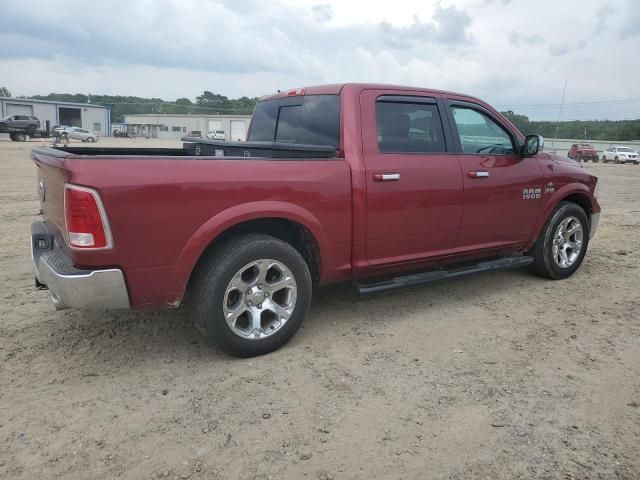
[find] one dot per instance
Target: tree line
(210, 103)
(613, 130)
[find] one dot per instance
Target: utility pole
(560, 112)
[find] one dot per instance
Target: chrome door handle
(386, 177)
(478, 174)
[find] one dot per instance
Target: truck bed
(203, 148)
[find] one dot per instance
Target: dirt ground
(497, 376)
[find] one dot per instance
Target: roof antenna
(560, 113)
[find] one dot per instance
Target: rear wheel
(250, 295)
(91, 140)
(19, 137)
(562, 245)
(595, 159)
(604, 159)
(616, 160)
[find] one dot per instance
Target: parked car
(583, 152)
(216, 135)
(57, 129)
(77, 133)
(195, 134)
(27, 123)
(370, 184)
(619, 154)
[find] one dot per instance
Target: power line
(620, 101)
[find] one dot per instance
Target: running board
(436, 275)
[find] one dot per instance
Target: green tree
(4, 92)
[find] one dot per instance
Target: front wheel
(562, 245)
(604, 159)
(250, 295)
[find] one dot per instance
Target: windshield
(306, 120)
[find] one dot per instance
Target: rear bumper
(71, 287)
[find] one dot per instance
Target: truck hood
(564, 160)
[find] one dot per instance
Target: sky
(515, 54)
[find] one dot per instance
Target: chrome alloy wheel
(567, 242)
(259, 299)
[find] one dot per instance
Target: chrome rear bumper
(71, 287)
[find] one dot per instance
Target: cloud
(448, 27)
(518, 38)
(323, 12)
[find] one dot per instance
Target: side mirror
(532, 145)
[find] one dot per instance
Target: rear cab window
(302, 120)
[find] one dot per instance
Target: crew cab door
(413, 182)
(503, 191)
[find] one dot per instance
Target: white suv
(620, 155)
(216, 135)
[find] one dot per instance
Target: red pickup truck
(377, 185)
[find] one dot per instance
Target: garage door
(238, 131)
(214, 125)
(19, 109)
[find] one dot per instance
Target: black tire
(91, 140)
(604, 159)
(19, 137)
(616, 160)
(207, 289)
(543, 262)
(595, 159)
(578, 157)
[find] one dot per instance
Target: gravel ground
(498, 376)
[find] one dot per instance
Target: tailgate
(52, 175)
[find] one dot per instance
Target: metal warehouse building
(95, 118)
(176, 126)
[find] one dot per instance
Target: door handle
(478, 174)
(386, 177)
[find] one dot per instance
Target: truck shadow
(169, 335)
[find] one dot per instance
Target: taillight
(87, 225)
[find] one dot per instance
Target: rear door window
(407, 127)
(303, 120)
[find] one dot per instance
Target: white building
(95, 118)
(175, 125)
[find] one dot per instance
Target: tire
(578, 157)
(595, 159)
(213, 288)
(19, 137)
(91, 140)
(604, 159)
(615, 160)
(3, 127)
(544, 263)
